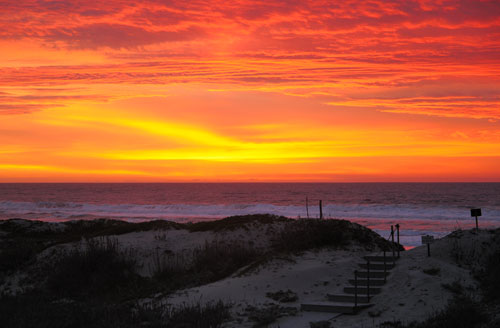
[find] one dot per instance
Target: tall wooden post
(307, 207)
(392, 237)
(320, 210)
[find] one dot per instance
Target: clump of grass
(455, 287)
(213, 261)
(432, 271)
(15, 254)
(42, 311)
(489, 279)
(306, 234)
(283, 296)
(320, 324)
(263, 316)
(167, 267)
(461, 312)
(210, 315)
(217, 260)
(235, 222)
(98, 267)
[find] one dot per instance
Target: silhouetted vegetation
(432, 271)
(168, 266)
(210, 315)
(15, 254)
(281, 296)
(235, 222)
(213, 261)
(95, 283)
(306, 234)
(217, 260)
(24, 239)
(265, 315)
(98, 267)
(43, 311)
(461, 312)
(489, 277)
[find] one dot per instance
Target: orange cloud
(283, 90)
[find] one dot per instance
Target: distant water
(420, 208)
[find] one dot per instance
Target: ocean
(419, 208)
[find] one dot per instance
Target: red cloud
(389, 47)
(118, 36)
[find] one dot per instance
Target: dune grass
(461, 312)
(97, 267)
(43, 311)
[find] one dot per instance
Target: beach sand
(415, 289)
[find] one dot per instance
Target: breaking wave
(68, 210)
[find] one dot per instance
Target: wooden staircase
(358, 294)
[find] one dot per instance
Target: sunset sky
(146, 91)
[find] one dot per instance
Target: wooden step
(363, 290)
(334, 307)
(364, 282)
(347, 298)
(377, 266)
(373, 274)
(381, 258)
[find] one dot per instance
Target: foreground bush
(490, 277)
(39, 311)
(96, 268)
(461, 312)
(217, 260)
(306, 234)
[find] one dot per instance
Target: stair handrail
(355, 288)
(368, 280)
(391, 236)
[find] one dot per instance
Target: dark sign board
(475, 212)
(427, 239)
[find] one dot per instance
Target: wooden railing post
(368, 280)
(392, 237)
(385, 269)
(355, 288)
(397, 230)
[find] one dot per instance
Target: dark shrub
(235, 222)
(41, 311)
(281, 296)
(217, 260)
(305, 234)
(96, 268)
(168, 267)
(490, 278)
(210, 315)
(461, 312)
(432, 271)
(15, 254)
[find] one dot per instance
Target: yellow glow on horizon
(239, 91)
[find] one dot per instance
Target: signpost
(427, 239)
(475, 212)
